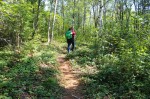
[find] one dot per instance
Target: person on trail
(73, 38)
(70, 34)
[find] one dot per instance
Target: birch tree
(52, 35)
(49, 22)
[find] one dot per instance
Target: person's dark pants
(70, 42)
(73, 44)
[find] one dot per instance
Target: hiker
(70, 34)
(73, 38)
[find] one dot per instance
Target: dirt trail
(69, 80)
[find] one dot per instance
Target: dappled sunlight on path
(69, 80)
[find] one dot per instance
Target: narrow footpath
(69, 80)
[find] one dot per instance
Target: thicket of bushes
(122, 62)
(30, 73)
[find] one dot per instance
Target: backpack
(68, 35)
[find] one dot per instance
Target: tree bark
(84, 16)
(52, 35)
(73, 17)
(49, 28)
(35, 23)
(63, 15)
(101, 17)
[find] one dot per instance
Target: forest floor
(69, 79)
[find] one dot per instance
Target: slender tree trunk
(94, 16)
(104, 14)
(73, 17)
(78, 17)
(84, 17)
(49, 28)
(136, 13)
(121, 17)
(52, 36)
(90, 18)
(35, 23)
(63, 14)
(128, 15)
(18, 40)
(101, 17)
(49, 23)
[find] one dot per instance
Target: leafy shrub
(121, 78)
(27, 76)
(83, 56)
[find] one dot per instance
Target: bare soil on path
(69, 80)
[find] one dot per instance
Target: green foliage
(33, 74)
(118, 48)
(16, 19)
(122, 62)
(83, 56)
(121, 80)
(88, 30)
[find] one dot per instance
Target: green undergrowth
(30, 73)
(83, 55)
(123, 75)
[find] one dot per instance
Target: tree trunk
(104, 14)
(52, 36)
(101, 17)
(78, 17)
(73, 17)
(35, 23)
(49, 28)
(63, 14)
(84, 17)
(94, 16)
